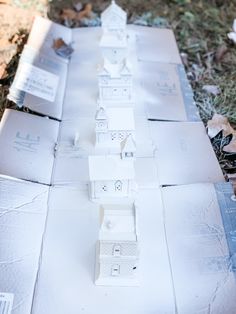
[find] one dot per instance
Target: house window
(118, 186)
(130, 154)
(116, 250)
(115, 270)
(104, 188)
(113, 136)
(121, 136)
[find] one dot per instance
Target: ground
(200, 28)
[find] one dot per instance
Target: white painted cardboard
(184, 154)
(114, 19)
(117, 254)
(71, 238)
(43, 34)
(41, 103)
(111, 178)
(113, 125)
(23, 210)
(155, 44)
(27, 146)
(163, 87)
(198, 250)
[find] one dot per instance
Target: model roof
(115, 70)
(114, 9)
(128, 144)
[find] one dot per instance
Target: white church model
(112, 177)
(114, 20)
(116, 84)
(117, 248)
(113, 125)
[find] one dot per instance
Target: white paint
(37, 82)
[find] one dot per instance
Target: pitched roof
(128, 144)
(115, 70)
(114, 9)
(110, 167)
(101, 114)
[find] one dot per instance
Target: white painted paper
(37, 82)
(27, 145)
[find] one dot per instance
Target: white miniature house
(113, 125)
(116, 83)
(111, 178)
(114, 19)
(117, 249)
(128, 147)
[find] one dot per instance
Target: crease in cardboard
(227, 205)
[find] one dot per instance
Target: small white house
(128, 147)
(113, 125)
(116, 83)
(117, 249)
(114, 19)
(111, 178)
(114, 49)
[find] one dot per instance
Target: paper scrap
(37, 82)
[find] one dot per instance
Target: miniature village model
(112, 199)
(112, 177)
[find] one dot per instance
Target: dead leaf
(69, 14)
(62, 49)
(3, 71)
(211, 89)
(58, 43)
(231, 147)
(218, 123)
(220, 53)
(86, 12)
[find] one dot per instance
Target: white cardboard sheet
(181, 231)
(155, 44)
(184, 154)
(43, 34)
(27, 146)
(203, 279)
(23, 210)
(66, 279)
(36, 96)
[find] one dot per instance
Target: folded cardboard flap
(27, 89)
(155, 44)
(184, 154)
(27, 146)
(197, 242)
(43, 34)
(23, 210)
(66, 284)
(227, 203)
